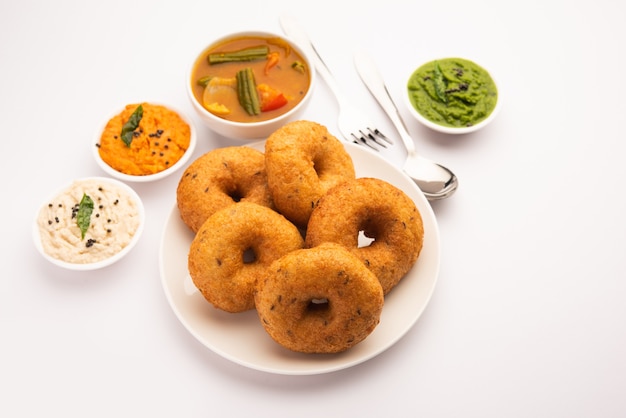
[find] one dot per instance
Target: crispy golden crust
(303, 160)
(319, 300)
(383, 212)
(220, 178)
(234, 247)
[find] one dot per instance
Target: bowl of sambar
(245, 85)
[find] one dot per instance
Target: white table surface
(528, 316)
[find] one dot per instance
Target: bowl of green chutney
(452, 95)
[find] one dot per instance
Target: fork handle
(294, 31)
(368, 71)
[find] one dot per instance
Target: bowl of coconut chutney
(89, 224)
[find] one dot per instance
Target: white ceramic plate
(241, 338)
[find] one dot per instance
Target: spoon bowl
(435, 181)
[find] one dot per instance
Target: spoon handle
(366, 67)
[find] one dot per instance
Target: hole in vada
(317, 165)
(364, 240)
(249, 256)
(236, 195)
(318, 305)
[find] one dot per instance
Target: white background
(528, 317)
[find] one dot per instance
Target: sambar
(250, 78)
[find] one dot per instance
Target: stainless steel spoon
(435, 180)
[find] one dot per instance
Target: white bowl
(249, 130)
(149, 177)
(123, 189)
(450, 129)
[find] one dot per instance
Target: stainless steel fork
(353, 126)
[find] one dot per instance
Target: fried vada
(219, 178)
(383, 213)
(319, 300)
(233, 248)
(303, 160)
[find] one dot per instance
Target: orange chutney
(159, 141)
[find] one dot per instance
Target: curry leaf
(440, 85)
(129, 127)
(83, 216)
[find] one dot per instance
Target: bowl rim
(107, 261)
(451, 129)
(251, 125)
(193, 140)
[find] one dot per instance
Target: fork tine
(381, 135)
(375, 134)
(362, 140)
(372, 138)
(369, 137)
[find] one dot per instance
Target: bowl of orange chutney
(144, 142)
(248, 84)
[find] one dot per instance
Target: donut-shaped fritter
(219, 178)
(303, 160)
(234, 247)
(319, 300)
(383, 213)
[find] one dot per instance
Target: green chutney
(452, 92)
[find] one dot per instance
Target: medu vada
(380, 211)
(319, 300)
(219, 178)
(303, 160)
(232, 249)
